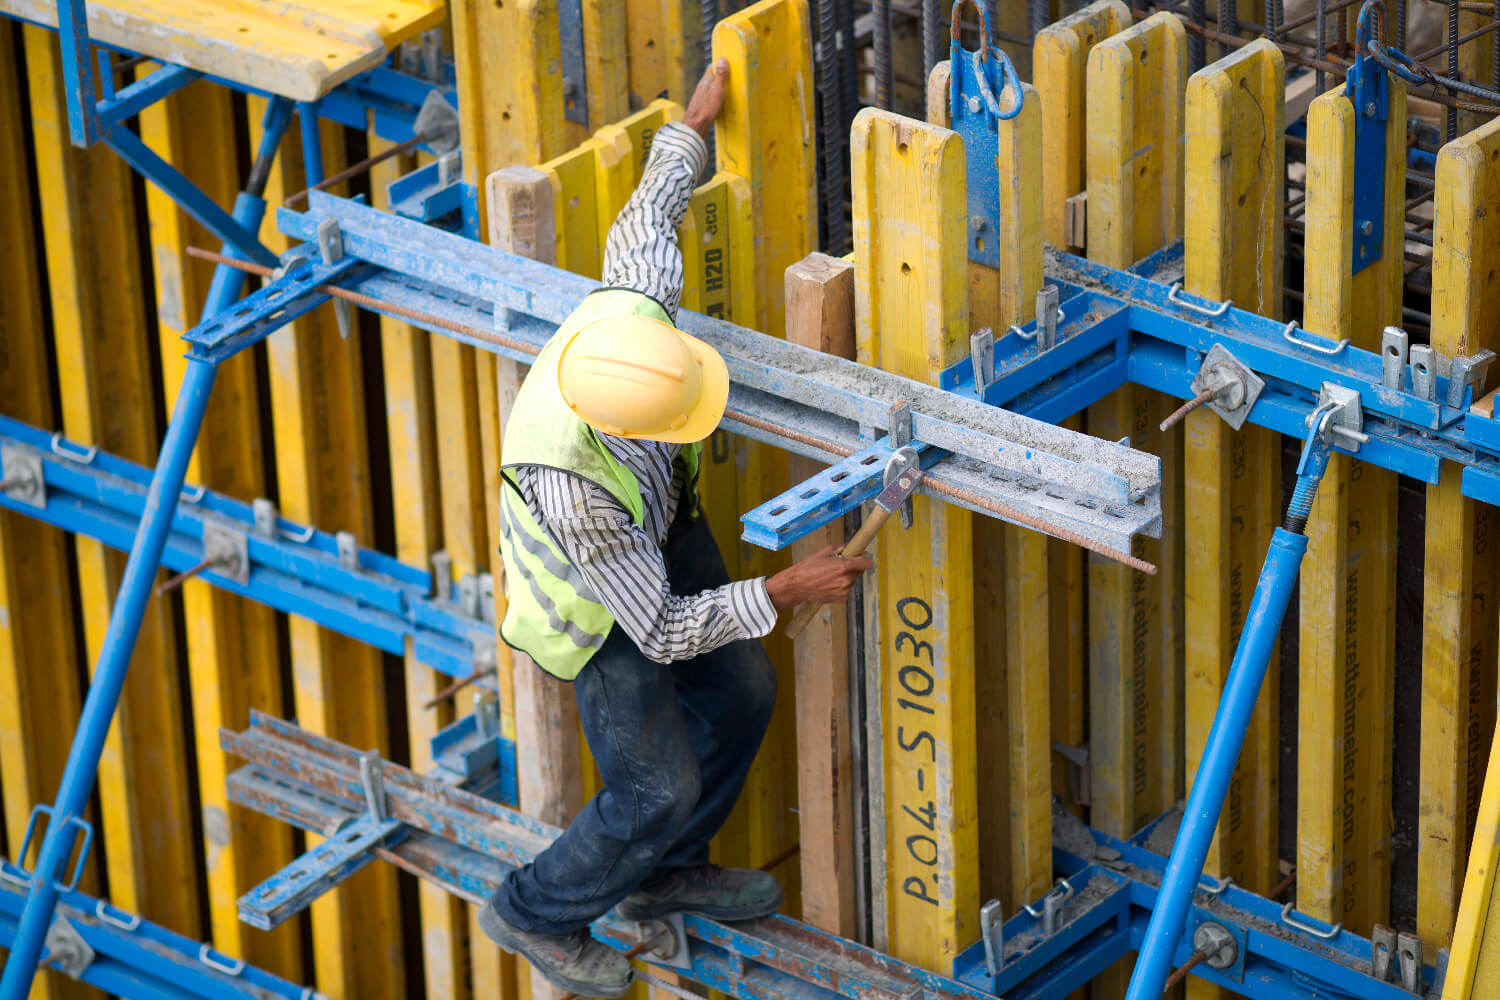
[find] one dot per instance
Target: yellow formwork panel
(106, 389)
(1474, 966)
(1013, 633)
(233, 659)
(1458, 609)
(912, 318)
(411, 428)
(296, 50)
(1059, 58)
(1347, 633)
(764, 135)
(661, 38)
(322, 471)
(1233, 249)
(606, 65)
(510, 96)
(1135, 83)
(36, 622)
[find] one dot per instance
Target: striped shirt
(620, 562)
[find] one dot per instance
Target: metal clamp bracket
(670, 941)
(21, 476)
(67, 951)
(992, 932)
(331, 246)
(900, 461)
(227, 551)
(1339, 418)
(77, 823)
(1368, 90)
(1235, 386)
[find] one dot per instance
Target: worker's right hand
(825, 578)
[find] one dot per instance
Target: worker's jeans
(673, 743)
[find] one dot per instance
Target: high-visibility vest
(552, 615)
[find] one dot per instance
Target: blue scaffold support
(1368, 88)
(1273, 592)
(77, 785)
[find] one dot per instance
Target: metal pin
(992, 930)
(1409, 951)
(1382, 948)
(169, 585)
(1394, 345)
(1423, 379)
(1176, 416)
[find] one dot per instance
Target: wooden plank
(820, 315)
(322, 469)
(912, 315)
(606, 65)
(1347, 638)
(509, 87)
(1135, 82)
(1474, 968)
(37, 625)
(1013, 627)
(764, 134)
(106, 389)
(663, 41)
(1233, 249)
(1459, 617)
(233, 655)
(1059, 59)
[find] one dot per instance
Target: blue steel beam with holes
(342, 853)
(464, 843)
(382, 601)
(138, 959)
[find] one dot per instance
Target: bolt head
(1370, 110)
(977, 222)
(1366, 228)
(974, 105)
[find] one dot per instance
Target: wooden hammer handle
(854, 547)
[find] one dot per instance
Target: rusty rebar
(355, 169)
(172, 583)
(457, 686)
(1181, 972)
(1176, 416)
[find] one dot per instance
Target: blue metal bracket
(984, 90)
(293, 889)
(575, 81)
(430, 192)
(1367, 87)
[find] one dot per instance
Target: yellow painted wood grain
(1233, 250)
(1474, 967)
(1135, 92)
(322, 469)
(912, 318)
(37, 625)
(1013, 626)
(1059, 59)
(233, 656)
(1461, 573)
(1347, 634)
(509, 86)
(98, 299)
(663, 42)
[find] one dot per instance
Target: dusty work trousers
(673, 743)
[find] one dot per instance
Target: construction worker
(615, 584)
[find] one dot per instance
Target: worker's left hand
(707, 99)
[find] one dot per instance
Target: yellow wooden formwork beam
(1347, 634)
(509, 86)
(233, 656)
(605, 65)
(1013, 627)
(1135, 83)
(1233, 249)
(411, 427)
(912, 318)
(38, 662)
(1474, 966)
(322, 469)
(1458, 610)
(106, 388)
(764, 134)
(663, 43)
(1059, 59)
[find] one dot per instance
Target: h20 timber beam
(233, 656)
(1474, 967)
(1013, 622)
(1059, 63)
(664, 49)
(36, 621)
(1135, 88)
(1459, 607)
(764, 134)
(912, 318)
(105, 378)
(322, 470)
(1233, 250)
(406, 353)
(1135, 81)
(1347, 641)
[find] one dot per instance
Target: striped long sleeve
(621, 562)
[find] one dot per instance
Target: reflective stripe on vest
(552, 614)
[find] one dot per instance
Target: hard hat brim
(712, 398)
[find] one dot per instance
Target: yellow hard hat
(637, 377)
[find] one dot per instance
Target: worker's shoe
(707, 890)
(573, 962)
